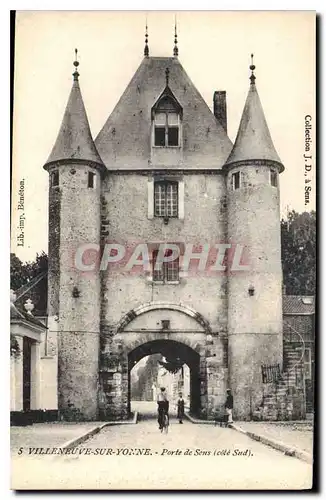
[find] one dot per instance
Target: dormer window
(166, 129)
(166, 116)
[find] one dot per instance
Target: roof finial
(146, 49)
(167, 74)
(252, 67)
(76, 64)
(175, 50)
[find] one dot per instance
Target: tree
(172, 365)
(146, 376)
(21, 273)
(298, 239)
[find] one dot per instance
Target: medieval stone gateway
(163, 169)
(141, 333)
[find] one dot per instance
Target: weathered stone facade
(224, 325)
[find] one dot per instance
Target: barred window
(168, 272)
(166, 199)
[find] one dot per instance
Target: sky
(214, 49)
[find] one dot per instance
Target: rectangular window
(173, 136)
(273, 178)
(54, 179)
(159, 136)
(307, 363)
(166, 199)
(168, 271)
(166, 129)
(158, 274)
(236, 180)
(91, 180)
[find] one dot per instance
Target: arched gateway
(173, 330)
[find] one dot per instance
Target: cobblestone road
(139, 456)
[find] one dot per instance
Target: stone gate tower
(75, 170)
(254, 295)
(163, 169)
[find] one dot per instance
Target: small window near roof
(166, 124)
(236, 180)
(91, 180)
(54, 179)
(273, 178)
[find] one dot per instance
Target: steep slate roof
(253, 141)
(298, 304)
(74, 141)
(124, 141)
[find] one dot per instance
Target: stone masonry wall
(54, 250)
(79, 314)
(125, 220)
(255, 319)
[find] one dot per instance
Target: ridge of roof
(21, 291)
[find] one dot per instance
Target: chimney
(219, 101)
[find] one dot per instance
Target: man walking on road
(229, 406)
(181, 408)
(163, 406)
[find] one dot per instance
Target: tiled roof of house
(19, 314)
(298, 304)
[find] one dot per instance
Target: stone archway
(152, 306)
(169, 348)
(143, 330)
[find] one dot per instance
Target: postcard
(162, 326)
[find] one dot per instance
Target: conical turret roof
(74, 141)
(253, 141)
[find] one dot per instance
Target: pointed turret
(253, 141)
(74, 142)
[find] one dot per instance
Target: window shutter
(150, 198)
(181, 195)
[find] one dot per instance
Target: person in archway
(229, 406)
(163, 405)
(181, 409)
